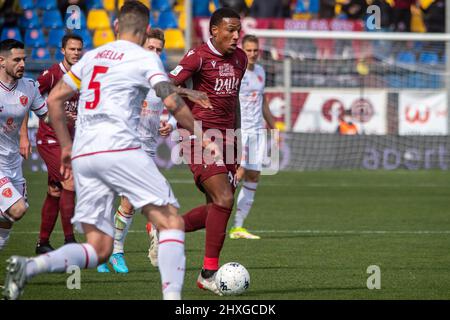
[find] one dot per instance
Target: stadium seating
(160, 5)
(58, 55)
(47, 4)
(406, 57)
(109, 5)
(52, 19)
(11, 33)
(201, 8)
(103, 36)
(54, 37)
(40, 54)
(29, 20)
(94, 4)
(182, 20)
(153, 23)
(35, 38)
(87, 38)
(429, 58)
(174, 39)
(27, 4)
(167, 20)
(97, 19)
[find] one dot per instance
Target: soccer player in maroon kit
(60, 194)
(217, 68)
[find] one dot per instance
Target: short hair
(156, 33)
(133, 17)
(68, 37)
(7, 45)
(250, 38)
(220, 14)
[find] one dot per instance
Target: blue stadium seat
(94, 4)
(406, 57)
(161, 5)
(300, 7)
(429, 58)
(164, 58)
(87, 38)
(58, 55)
(152, 21)
(40, 54)
(395, 81)
(52, 19)
(47, 4)
(11, 33)
(201, 8)
(73, 15)
(167, 20)
(35, 38)
(54, 37)
(29, 20)
(27, 4)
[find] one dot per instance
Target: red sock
(216, 225)
(67, 208)
(196, 218)
(49, 214)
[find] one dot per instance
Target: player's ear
(214, 31)
(116, 26)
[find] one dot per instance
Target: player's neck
(214, 43)
(66, 65)
(7, 79)
(251, 67)
(137, 39)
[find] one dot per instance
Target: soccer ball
(232, 279)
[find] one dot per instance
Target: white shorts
(253, 150)
(100, 177)
(12, 187)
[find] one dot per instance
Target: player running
(254, 107)
(60, 193)
(18, 96)
(149, 128)
(107, 158)
(216, 68)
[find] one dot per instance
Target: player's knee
(54, 191)
(171, 222)
(252, 176)
(225, 200)
(103, 253)
(18, 210)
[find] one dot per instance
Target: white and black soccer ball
(232, 279)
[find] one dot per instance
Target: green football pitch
(320, 233)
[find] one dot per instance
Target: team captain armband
(72, 80)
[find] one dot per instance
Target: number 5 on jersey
(95, 85)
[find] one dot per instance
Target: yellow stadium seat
(109, 5)
(182, 20)
(146, 2)
(179, 7)
(174, 39)
(120, 4)
(98, 19)
(103, 36)
(249, 3)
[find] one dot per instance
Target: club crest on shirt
(9, 121)
(7, 193)
(23, 100)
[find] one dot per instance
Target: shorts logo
(144, 104)
(23, 100)
(7, 193)
(9, 121)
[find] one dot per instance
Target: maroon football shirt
(219, 76)
(47, 80)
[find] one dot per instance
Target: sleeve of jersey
(39, 105)
(172, 121)
(190, 64)
(155, 71)
(44, 81)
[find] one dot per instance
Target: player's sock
(122, 223)
(244, 202)
(171, 262)
(73, 254)
(4, 236)
(216, 225)
(67, 208)
(196, 218)
(49, 214)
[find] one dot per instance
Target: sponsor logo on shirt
(226, 70)
(23, 100)
(7, 193)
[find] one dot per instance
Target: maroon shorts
(51, 154)
(203, 170)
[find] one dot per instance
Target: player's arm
(237, 118)
(195, 96)
(24, 141)
(60, 93)
(267, 114)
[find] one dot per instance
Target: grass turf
(320, 232)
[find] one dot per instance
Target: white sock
(244, 202)
(171, 262)
(4, 236)
(82, 255)
(122, 223)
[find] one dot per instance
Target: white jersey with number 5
(113, 81)
(251, 98)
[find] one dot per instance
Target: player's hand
(165, 128)
(239, 173)
(199, 98)
(71, 116)
(25, 147)
(66, 162)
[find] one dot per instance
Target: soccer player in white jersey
(107, 158)
(150, 127)
(254, 107)
(18, 96)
